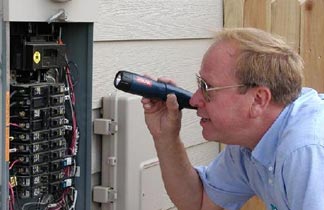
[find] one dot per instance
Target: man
(250, 97)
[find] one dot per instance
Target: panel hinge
(105, 126)
(104, 194)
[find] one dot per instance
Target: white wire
(32, 203)
(74, 199)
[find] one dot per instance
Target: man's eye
(207, 85)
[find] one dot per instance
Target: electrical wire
(74, 199)
(13, 93)
(14, 125)
(13, 163)
(39, 203)
(70, 85)
(74, 68)
(12, 196)
(17, 198)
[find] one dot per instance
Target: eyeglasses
(204, 87)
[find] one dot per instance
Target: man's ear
(261, 100)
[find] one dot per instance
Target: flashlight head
(117, 79)
(123, 80)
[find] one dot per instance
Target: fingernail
(147, 106)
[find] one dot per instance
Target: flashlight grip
(148, 88)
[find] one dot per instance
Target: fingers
(151, 105)
(146, 103)
(172, 102)
(173, 107)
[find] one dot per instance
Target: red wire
(74, 132)
(74, 125)
(13, 163)
(12, 196)
(71, 85)
(15, 125)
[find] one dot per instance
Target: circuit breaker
(46, 85)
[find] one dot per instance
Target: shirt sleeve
(225, 180)
(303, 173)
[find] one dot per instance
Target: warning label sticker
(37, 57)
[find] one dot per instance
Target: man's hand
(163, 119)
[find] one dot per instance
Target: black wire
(74, 76)
(13, 103)
(39, 201)
(13, 93)
(17, 199)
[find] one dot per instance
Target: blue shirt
(285, 169)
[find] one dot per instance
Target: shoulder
(304, 123)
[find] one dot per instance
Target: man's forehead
(220, 59)
(229, 48)
(221, 53)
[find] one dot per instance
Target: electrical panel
(44, 132)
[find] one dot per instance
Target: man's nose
(197, 99)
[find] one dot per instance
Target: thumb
(173, 107)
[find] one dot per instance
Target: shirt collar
(265, 151)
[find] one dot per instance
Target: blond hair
(266, 60)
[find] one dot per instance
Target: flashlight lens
(123, 80)
(118, 79)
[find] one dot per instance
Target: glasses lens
(203, 87)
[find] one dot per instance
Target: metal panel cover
(42, 10)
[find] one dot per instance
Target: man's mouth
(205, 119)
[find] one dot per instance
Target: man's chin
(210, 138)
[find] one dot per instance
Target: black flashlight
(148, 88)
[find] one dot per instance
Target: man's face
(225, 116)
